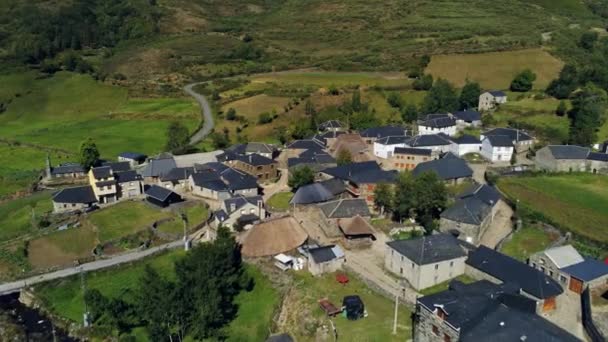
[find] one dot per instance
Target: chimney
(232, 207)
(250, 159)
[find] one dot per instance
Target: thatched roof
(355, 226)
(273, 237)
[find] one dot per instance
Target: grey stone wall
(423, 330)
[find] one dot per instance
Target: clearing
(20, 216)
(527, 241)
(62, 248)
(280, 201)
(195, 214)
(495, 70)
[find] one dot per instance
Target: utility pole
(396, 311)
(185, 221)
(83, 286)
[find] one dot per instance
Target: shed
(357, 231)
(161, 197)
(326, 259)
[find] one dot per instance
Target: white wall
(385, 151)
(424, 130)
(463, 149)
(495, 154)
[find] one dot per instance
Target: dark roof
(105, 183)
(252, 147)
(240, 201)
(127, 176)
(500, 141)
(598, 156)
(469, 210)
(237, 180)
(393, 140)
(381, 132)
(466, 139)
(255, 159)
(211, 166)
(445, 168)
(177, 174)
(468, 115)
(497, 93)
(362, 173)
(322, 254)
(413, 151)
(67, 168)
(159, 193)
(306, 144)
(102, 172)
(247, 218)
(375, 177)
(483, 192)
(334, 185)
(438, 122)
(133, 155)
(483, 311)
(568, 151)
(516, 135)
(118, 166)
(80, 194)
(280, 338)
(330, 124)
(587, 270)
(429, 140)
(310, 157)
(429, 249)
(220, 215)
(158, 167)
(345, 208)
(509, 270)
(312, 193)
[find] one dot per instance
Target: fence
(592, 331)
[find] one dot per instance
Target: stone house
(370, 135)
(317, 160)
(133, 158)
(522, 140)
(385, 147)
(497, 148)
(265, 150)
(104, 184)
(177, 179)
(425, 261)
(407, 158)
(482, 311)
(156, 168)
(330, 214)
(471, 214)
(467, 118)
(490, 99)
(130, 184)
(449, 168)
(356, 231)
(565, 265)
(240, 211)
(219, 182)
(65, 170)
(74, 199)
(570, 158)
(265, 169)
(326, 259)
(362, 178)
(437, 124)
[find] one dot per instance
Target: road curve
(208, 123)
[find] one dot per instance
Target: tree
(565, 84)
(264, 118)
(513, 158)
(344, 157)
(431, 195)
(301, 176)
(89, 154)
(355, 103)
(423, 83)
(383, 197)
(469, 96)
(523, 81)
(219, 141)
(394, 100)
(231, 114)
(178, 137)
(588, 40)
(409, 113)
(441, 98)
(405, 196)
(561, 108)
(588, 107)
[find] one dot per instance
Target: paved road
(16, 286)
(208, 123)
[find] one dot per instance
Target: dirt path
(500, 227)
(281, 185)
(208, 122)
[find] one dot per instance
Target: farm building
(569, 158)
(522, 140)
(326, 259)
(273, 237)
(490, 99)
(465, 144)
(161, 197)
(450, 168)
(73, 199)
(356, 231)
(133, 158)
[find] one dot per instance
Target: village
(321, 205)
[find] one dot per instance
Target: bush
(423, 83)
(523, 81)
(231, 114)
(264, 118)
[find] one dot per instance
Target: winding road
(208, 123)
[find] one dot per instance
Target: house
(370, 135)
(490, 99)
(158, 167)
(176, 179)
(522, 141)
(319, 192)
(133, 158)
(306, 144)
(161, 197)
(497, 148)
(273, 237)
(193, 159)
(256, 165)
(451, 169)
(426, 261)
(263, 149)
(467, 118)
(407, 158)
(362, 178)
(326, 259)
(437, 123)
(117, 166)
(331, 126)
(65, 170)
(438, 143)
(570, 269)
(354, 144)
(385, 147)
(471, 214)
(482, 311)
(569, 158)
(104, 184)
(74, 199)
(130, 184)
(488, 264)
(239, 211)
(317, 160)
(344, 208)
(356, 231)
(219, 182)
(466, 144)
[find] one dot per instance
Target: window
(451, 264)
(441, 314)
(400, 270)
(563, 279)
(402, 258)
(436, 266)
(533, 265)
(551, 274)
(259, 167)
(447, 338)
(435, 330)
(412, 265)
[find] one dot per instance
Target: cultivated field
(495, 70)
(338, 79)
(62, 248)
(576, 202)
(251, 107)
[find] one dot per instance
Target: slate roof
(189, 160)
(598, 156)
(438, 122)
(133, 156)
(470, 210)
(429, 140)
(105, 183)
(330, 124)
(252, 147)
(393, 140)
(564, 256)
(306, 144)
(483, 192)
(509, 270)
(345, 208)
(237, 180)
(325, 253)
(118, 166)
(158, 167)
(312, 193)
(79, 194)
(468, 115)
(483, 311)
(158, 192)
(587, 270)
(497, 93)
(445, 168)
(429, 249)
(335, 186)
(127, 176)
(240, 201)
(413, 151)
(466, 139)
(177, 174)
(102, 172)
(220, 215)
(310, 157)
(383, 131)
(255, 160)
(568, 151)
(499, 141)
(67, 168)
(346, 171)
(515, 135)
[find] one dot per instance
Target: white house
(437, 123)
(490, 99)
(497, 148)
(467, 118)
(385, 147)
(438, 143)
(466, 144)
(240, 210)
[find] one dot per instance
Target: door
(549, 304)
(576, 285)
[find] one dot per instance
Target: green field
(62, 248)
(280, 201)
(527, 241)
(445, 285)
(196, 214)
(576, 202)
(20, 216)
